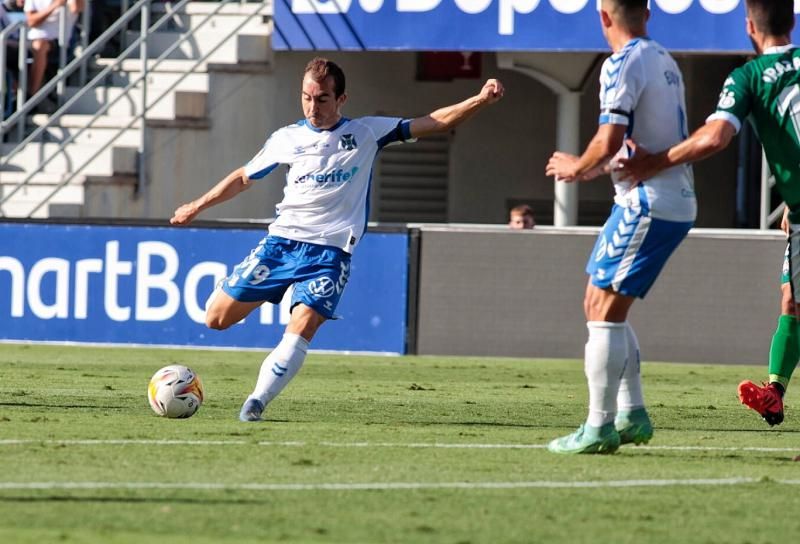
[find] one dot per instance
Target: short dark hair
(631, 12)
(772, 17)
(320, 68)
(523, 210)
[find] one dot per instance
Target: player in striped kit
(641, 96)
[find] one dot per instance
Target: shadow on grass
(764, 429)
(508, 424)
(129, 500)
(67, 406)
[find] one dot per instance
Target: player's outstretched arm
(711, 138)
(449, 117)
(233, 184)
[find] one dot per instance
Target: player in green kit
(767, 90)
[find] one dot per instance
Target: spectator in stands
(321, 218)
(521, 217)
(43, 20)
(11, 53)
(640, 81)
(104, 14)
(765, 92)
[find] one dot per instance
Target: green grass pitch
(380, 449)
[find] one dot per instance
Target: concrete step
(161, 80)
(75, 158)
(69, 198)
(220, 22)
(178, 66)
(161, 104)
(205, 8)
(250, 47)
(14, 178)
(95, 136)
(80, 120)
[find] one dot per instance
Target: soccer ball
(175, 391)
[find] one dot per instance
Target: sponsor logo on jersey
(348, 142)
(332, 176)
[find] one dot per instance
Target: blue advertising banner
(149, 285)
(498, 25)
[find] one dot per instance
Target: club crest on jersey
(322, 287)
(348, 142)
(727, 100)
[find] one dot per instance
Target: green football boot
(634, 427)
(587, 439)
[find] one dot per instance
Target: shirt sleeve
(389, 130)
(735, 100)
(621, 84)
(266, 160)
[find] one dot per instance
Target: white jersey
(641, 87)
(326, 198)
(48, 29)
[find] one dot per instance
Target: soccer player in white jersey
(641, 95)
(321, 219)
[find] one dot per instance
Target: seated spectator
(43, 20)
(521, 217)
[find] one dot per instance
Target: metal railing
(64, 35)
(141, 9)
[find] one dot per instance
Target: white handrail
(62, 52)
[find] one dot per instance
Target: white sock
(630, 387)
(280, 367)
(606, 352)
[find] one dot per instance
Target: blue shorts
(318, 273)
(632, 249)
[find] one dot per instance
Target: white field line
(384, 486)
(413, 445)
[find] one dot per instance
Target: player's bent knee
(215, 322)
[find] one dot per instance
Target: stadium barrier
(148, 285)
(418, 289)
(520, 294)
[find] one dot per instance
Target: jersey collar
(339, 123)
(777, 49)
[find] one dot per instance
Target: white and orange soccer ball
(175, 391)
